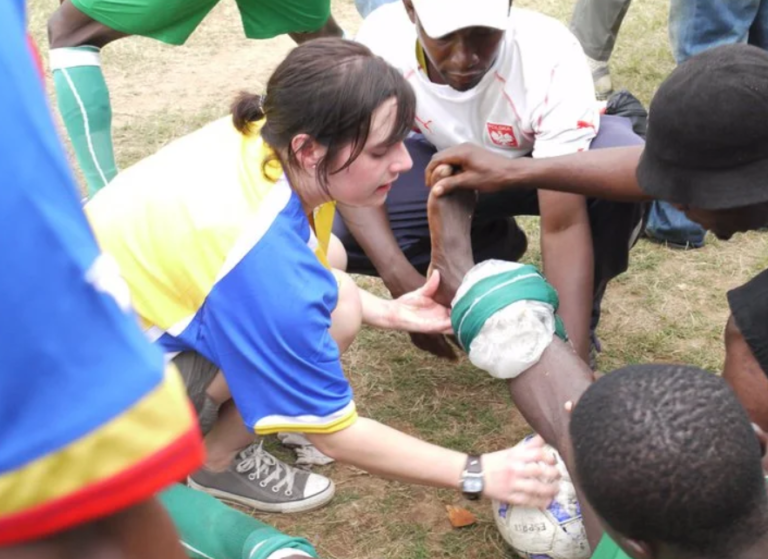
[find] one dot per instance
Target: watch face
(473, 485)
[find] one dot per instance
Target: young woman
(224, 240)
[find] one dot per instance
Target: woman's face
(367, 181)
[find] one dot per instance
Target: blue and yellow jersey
(221, 259)
(91, 420)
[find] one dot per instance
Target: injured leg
(557, 375)
(450, 223)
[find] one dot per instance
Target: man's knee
(57, 30)
(615, 132)
(69, 27)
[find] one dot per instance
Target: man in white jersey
(517, 83)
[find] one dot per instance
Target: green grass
(670, 306)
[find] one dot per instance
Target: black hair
(328, 89)
(666, 453)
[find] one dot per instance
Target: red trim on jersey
(546, 100)
(507, 97)
(528, 133)
(36, 56)
(424, 124)
(108, 496)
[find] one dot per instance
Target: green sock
(84, 106)
(210, 529)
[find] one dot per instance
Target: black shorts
(749, 306)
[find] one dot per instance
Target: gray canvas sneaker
(258, 480)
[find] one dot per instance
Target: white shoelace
(260, 463)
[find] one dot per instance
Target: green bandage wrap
(490, 295)
(209, 529)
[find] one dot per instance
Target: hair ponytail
(329, 90)
(247, 108)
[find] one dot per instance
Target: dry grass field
(670, 306)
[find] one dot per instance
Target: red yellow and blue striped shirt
(91, 420)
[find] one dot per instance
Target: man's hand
(525, 475)
(470, 166)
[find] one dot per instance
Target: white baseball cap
(441, 17)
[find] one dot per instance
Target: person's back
(669, 460)
(173, 219)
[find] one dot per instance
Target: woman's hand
(417, 311)
(524, 475)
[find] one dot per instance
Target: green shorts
(173, 21)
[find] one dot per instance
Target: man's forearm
(569, 267)
(371, 229)
(605, 173)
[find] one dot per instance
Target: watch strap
(472, 483)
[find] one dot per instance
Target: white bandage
(512, 339)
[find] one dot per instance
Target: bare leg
(450, 222)
(330, 29)
(218, 390)
(540, 393)
(337, 254)
(228, 437)
(347, 317)
(69, 27)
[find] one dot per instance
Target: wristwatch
(471, 483)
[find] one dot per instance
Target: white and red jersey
(538, 97)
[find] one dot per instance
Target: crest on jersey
(502, 135)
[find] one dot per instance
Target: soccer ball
(554, 533)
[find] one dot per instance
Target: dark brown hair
(327, 89)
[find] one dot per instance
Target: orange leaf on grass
(460, 517)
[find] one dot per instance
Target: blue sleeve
(266, 324)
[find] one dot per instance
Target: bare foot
(450, 221)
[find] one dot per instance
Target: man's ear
(638, 549)
(308, 151)
(762, 438)
(409, 9)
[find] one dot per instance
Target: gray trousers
(596, 24)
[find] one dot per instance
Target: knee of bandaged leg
(337, 254)
(504, 317)
(347, 318)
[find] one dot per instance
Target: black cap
(707, 141)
